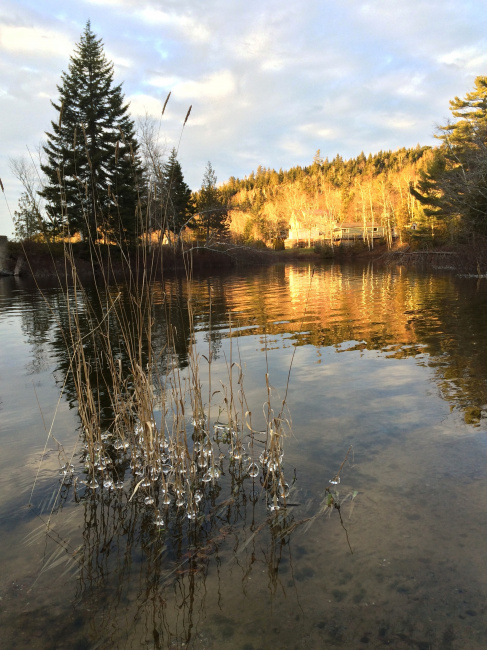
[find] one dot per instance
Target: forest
(374, 188)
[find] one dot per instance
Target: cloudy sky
(270, 81)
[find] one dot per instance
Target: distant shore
(43, 262)
(55, 261)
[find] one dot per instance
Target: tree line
(366, 189)
(435, 193)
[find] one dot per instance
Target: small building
(334, 234)
(358, 231)
(302, 237)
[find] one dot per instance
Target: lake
(384, 377)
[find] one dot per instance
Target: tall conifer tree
(211, 208)
(179, 205)
(92, 162)
(454, 186)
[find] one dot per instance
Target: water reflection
(237, 571)
(437, 319)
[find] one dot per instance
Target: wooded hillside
(366, 189)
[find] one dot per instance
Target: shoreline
(30, 260)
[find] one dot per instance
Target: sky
(270, 81)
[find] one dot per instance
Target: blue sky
(270, 81)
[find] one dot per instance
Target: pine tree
(178, 203)
(211, 208)
(471, 114)
(92, 162)
(454, 185)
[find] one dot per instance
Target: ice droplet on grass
(284, 491)
(197, 496)
(159, 520)
(263, 458)
(253, 470)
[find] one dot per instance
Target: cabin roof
(349, 224)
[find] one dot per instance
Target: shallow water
(391, 363)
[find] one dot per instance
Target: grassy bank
(42, 261)
(469, 258)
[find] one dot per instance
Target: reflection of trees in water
(48, 325)
(404, 315)
(37, 324)
(452, 324)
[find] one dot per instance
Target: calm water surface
(393, 364)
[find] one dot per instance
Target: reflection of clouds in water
(363, 385)
(364, 391)
(28, 445)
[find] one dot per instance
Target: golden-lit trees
(311, 201)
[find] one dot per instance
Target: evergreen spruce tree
(211, 208)
(471, 117)
(454, 186)
(179, 205)
(92, 162)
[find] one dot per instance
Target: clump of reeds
(160, 429)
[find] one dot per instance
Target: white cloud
(294, 145)
(315, 129)
(120, 61)
(399, 121)
(406, 83)
(167, 82)
(469, 57)
(255, 45)
(214, 86)
(193, 29)
(141, 105)
(34, 40)
(217, 85)
(414, 87)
